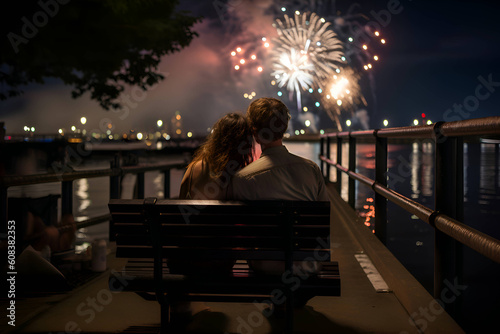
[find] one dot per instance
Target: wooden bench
(150, 231)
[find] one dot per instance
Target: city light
(348, 122)
(307, 122)
(83, 120)
(159, 123)
(32, 129)
(429, 122)
(73, 128)
(386, 122)
(60, 131)
(139, 136)
(189, 134)
(415, 122)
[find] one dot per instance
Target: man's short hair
(268, 117)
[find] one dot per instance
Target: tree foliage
(95, 46)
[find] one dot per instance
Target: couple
(223, 167)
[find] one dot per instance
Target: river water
(410, 171)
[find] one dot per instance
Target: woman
(227, 149)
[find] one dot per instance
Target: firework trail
(305, 54)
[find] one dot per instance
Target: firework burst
(306, 53)
(343, 94)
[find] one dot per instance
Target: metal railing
(115, 172)
(445, 218)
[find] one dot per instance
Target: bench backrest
(210, 229)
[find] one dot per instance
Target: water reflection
(422, 164)
(488, 173)
(82, 196)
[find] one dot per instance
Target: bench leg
(289, 313)
(165, 318)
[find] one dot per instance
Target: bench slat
(215, 254)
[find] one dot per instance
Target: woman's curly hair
(229, 143)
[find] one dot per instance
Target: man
(277, 175)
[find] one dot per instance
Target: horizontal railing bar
(419, 210)
(361, 178)
(364, 134)
(469, 127)
(148, 168)
(344, 134)
(20, 180)
(472, 127)
(478, 241)
(93, 221)
(422, 131)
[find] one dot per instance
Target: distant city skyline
(441, 59)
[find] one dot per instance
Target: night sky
(437, 55)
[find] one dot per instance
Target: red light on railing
(423, 115)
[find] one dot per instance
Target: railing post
(352, 167)
(339, 161)
(114, 181)
(166, 183)
(140, 185)
(322, 154)
(381, 178)
(114, 191)
(4, 204)
(67, 197)
(328, 156)
(448, 200)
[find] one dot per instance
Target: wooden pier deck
(405, 307)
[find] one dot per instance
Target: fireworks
(306, 53)
(342, 93)
(249, 58)
(294, 70)
(313, 47)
